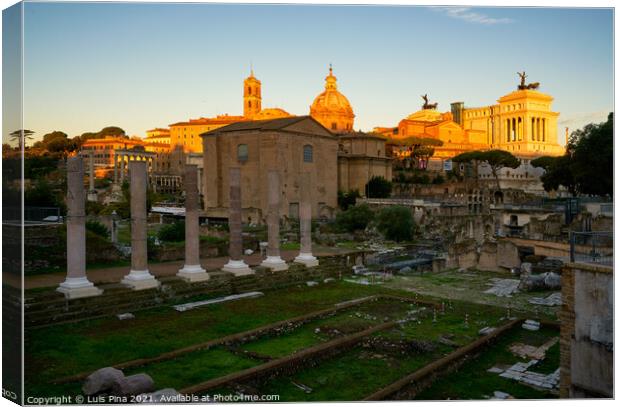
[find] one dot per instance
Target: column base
(275, 263)
(78, 287)
(92, 196)
(307, 259)
(193, 273)
(237, 267)
(140, 280)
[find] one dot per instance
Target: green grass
(290, 246)
(316, 332)
(194, 368)
(73, 348)
(473, 382)
(361, 371)
(550, 363)
(68, 349)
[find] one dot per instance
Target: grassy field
(481, 384)
(69, 349)
(470, 286)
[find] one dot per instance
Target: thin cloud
(466, 14)
(578, 120)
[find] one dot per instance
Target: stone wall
(50, 307)
(586, 339)
(490, 255)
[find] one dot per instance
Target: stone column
(192, 271)
(76, 284)
(139, 277)
(115, 168)
(305, 224)
(122, 168)
(92, 193)
(235, 264)
(273, 260)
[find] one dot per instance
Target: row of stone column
(236, 265)
(139, 278)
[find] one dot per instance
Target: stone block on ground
(133, 385)
(503, 287)
(486, 330)
(552, 300)
(102, 380)
(531, 325)
(500, 395)
(127, 315)
(311, 283)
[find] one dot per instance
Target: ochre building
(292, 146)
(330, 108)
(521, 122)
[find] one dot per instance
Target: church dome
(272, 113)
(331, 108)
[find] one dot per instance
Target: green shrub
(438, 180)
(396, 223)
(355, 218)
(174, 232)
(346, 199)
(378, 187)
(97, 228)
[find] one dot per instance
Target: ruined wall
(586, 339)
(545, 228)
(507, 254)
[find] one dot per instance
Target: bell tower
(251, 96)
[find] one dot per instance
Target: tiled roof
(271, 124)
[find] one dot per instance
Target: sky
(140, 66)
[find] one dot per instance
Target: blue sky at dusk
(140, 66)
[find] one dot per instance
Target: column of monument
(115, 168)
(192, 271)
(235, 264)
(92, 193)
(273, 260)
(122, 168)
(305, 224)
(139, 277)
(76, 284)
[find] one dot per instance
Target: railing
(592, 247)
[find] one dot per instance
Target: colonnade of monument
(77, 285)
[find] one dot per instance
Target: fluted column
(192, 271)
(139, 277)
(235, 265)
(305, 224)
(92, 193)
(76, 285)
(122, 167)
(273, 260)
(115, 167)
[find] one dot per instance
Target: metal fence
(592, 247)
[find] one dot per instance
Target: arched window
(242, 153)
(249, 90)
(249, 103)
(308, 153)
(334, 126)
